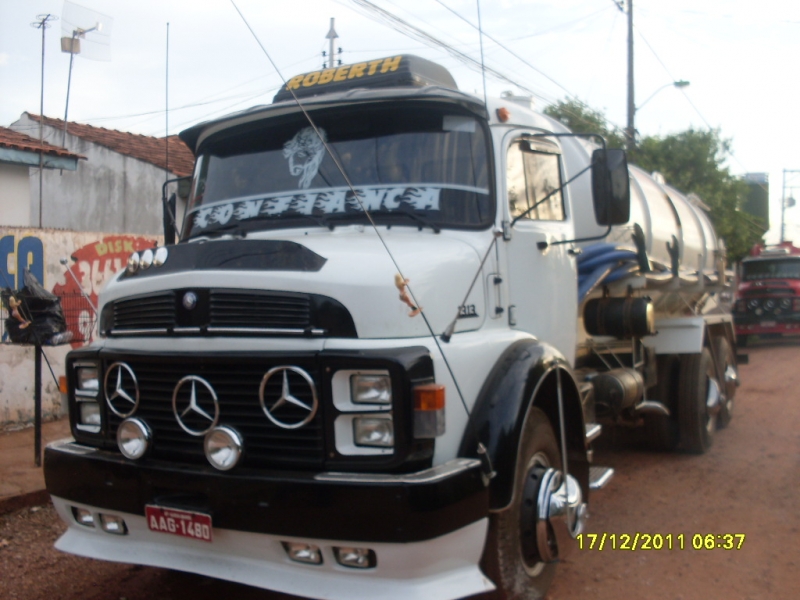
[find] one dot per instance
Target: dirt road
(747, 485)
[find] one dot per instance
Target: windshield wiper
(220, 231)
(321, 221)
(423, 221)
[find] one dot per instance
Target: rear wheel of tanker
(698, 401)
(510, 558)
(661, 431)
(729, 382)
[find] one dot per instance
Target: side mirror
(611, 186)
(169, 206)
(169, 219)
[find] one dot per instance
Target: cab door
(543, 288)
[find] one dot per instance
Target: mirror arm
(583, 135)
(558, 189)
(544, 245)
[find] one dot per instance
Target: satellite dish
(85, 32)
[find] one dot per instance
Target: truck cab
(768, 293)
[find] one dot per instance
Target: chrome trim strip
(137, 331)
(224, 330)
(599, 477)
(593, 431)
(432, 475)
(70, 447)
(267, 330)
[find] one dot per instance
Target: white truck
(374, 362)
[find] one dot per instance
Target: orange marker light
(428, 411)
(62, 384)
(503, 114)
(429, 397)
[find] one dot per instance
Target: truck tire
(662, 432)
(727, 366)
(516, 577)
(697, 422)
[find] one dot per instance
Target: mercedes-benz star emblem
(121, 390)
(286, 397)
(192, 402)
(189, 300)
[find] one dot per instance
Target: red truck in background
(768, 293)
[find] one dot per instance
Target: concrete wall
(15, 195)
(97, 256)
(108, 192)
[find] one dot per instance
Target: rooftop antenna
(332, 35)
(78, 25)
(483, 65)
(42, 22)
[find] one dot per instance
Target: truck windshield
(408, 165)
(784, 268)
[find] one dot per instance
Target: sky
(740, 57)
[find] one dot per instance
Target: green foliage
(691, 161)
(580, 118)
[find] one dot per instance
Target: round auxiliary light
(160, 257)
(133, 263)
(147, 259)
(133, 438)
(223, 446)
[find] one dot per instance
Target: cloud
(3, 59)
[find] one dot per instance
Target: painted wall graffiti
(92, 258)
(15, 257)
(93, 265)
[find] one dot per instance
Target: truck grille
(203, 311)
(236, 381)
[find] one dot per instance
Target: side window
(533, 178)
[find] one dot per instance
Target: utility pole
(42, 22)
(787, 202)
(332, 35)
(631, 128)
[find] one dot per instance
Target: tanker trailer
(656, 344)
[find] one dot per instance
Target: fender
(523, 376)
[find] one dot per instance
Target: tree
(580, 118)
(693, 162)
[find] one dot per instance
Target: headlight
(89, 413)
(371, 389)
(752, 303)
(146, 259)
(133, 263)
(88, 380)
(373, 431)
(223, 447)
(133, 438)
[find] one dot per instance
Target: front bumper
(364, 507)
(443, 568)
(427, 529)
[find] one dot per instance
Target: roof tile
(19, 141)
(143, 147)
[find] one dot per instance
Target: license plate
(768, 323)
(179, 522)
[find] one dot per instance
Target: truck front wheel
(510, 558)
